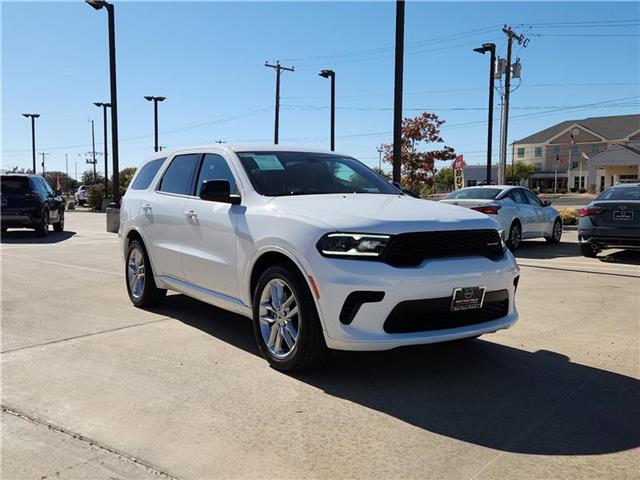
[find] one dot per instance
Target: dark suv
(29, 202)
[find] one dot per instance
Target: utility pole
(278, 68)
(379, 158)
(66, 170)
(43, 155)
(397, 94)
(511, 36)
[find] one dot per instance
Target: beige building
(578, 144)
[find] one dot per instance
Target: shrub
(95, 193)
(569, 216)
(583, 190)
(573, 190)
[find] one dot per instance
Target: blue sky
(208, 58)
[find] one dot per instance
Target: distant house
(577, 144)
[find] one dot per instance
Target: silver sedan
(522, 214)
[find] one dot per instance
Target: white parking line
(66, 265)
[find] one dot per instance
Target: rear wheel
(42, 228)
(141, 285)
(556, 233)
(515, 236)
(587, 250)
(285, 321)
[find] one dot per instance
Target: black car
(612, 220)
(29, 202)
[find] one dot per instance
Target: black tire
(149, 294)
(515, 236)
(587, 251)
(309, 348)
(59, 226)
(42, 228)
(556, 233)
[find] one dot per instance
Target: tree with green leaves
(443, 180)
(125, 178)
(88, 177)
(519, 172)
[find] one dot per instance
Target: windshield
(276, 174)
(474, 194)
(631, 192)
(14, 184)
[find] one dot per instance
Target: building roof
(616, 155)
(611, 128)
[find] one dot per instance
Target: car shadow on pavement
(480, 392)
(541, 250)
(627, 257)
(30, 236)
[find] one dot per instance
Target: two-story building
(572, 146)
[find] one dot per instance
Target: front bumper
(436, 278)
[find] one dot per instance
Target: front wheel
(587, 250)
(556, 233)
(285, 321)
(59, 226)
(141, 285)
(42, 229)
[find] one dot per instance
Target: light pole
(93, 150)
(331, 74)
(491, 48)
(98, 4)
(106, 147)
(33, 117)
(379, 158)
(155, 101)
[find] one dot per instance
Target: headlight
(355, 245)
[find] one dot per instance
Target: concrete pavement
(94, 388)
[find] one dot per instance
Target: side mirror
(218, 191)
(546, 203)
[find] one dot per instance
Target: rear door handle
(147, 208)
(191, 215)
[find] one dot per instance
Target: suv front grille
(436, 314)
(411, 249)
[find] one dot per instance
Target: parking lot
(95, 388)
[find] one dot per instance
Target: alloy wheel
(557, 231)
(135, 273)
(279, 318)
(514, 237)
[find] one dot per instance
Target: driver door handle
(191, 215)
(147, 208)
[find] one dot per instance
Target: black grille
(353, 303)
(410, 249)
(436, 314)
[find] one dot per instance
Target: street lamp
(33, 117)
(331, 74)
(155, 101)
(104, 107)
(491, 48)
(99, 4)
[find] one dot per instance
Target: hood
(375, 213)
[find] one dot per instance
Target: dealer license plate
(623, 214)
(467, 298)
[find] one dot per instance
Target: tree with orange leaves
(418, 166)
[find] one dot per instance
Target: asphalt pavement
(95, 388)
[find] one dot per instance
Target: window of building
(595, 148)
(556, 151)
(520, 152)
(215, 167)
(574, 149)
(472, 183)
(538, 166)
(538, 152)
(178, 178)
(146, 175)
(576, 182)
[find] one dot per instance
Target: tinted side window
(146, 175)
(38, 184)
(533, 200)
(178, 178)
(215, 167)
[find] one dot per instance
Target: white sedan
(522, 214)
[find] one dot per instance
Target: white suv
(320, 251)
